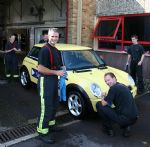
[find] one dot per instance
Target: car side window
(34, 52)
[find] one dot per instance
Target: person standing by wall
(136, 55)
(125, 112)
(49, 65)
(11, 61)
(45, 39)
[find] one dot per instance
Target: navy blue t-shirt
(121, 97)
(45, 59)
(136, 51)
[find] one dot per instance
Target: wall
(117, 7)
(118, 60)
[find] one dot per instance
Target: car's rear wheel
(76, 105)
(25, 78)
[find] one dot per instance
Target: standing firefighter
(136, 54)
(49, 65)
(11, 61)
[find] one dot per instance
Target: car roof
(62, 46)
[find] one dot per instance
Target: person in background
(11, 61)
(49, 68)
(45, 39)
(136, 55)
(125, 111)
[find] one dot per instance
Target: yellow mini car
(85, 76)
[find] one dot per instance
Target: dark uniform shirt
(136, 51)
(10, 46)
(45, 56)
(121, 97)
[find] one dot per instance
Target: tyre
(25, 78)
(76, 105)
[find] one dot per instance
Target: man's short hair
(110, 74)
(134, 36)
(12, 35)
(52, 30)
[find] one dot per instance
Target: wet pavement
(19, 107)
(87, 133)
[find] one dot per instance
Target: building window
(113, 33)
(112, 25)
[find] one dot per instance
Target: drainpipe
(95, 41)
(79, 22)
(67, 20)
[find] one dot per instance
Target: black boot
(108, 131)
(46, 138)
(126, 131)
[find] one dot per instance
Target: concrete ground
(19, 107)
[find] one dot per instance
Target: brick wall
(72, 21)
(117, 7)
(89, 12)
(88, 15)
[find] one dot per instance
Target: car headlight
(131, 81)
(95, 89)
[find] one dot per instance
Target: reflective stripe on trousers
(40, 125)
(44, 123)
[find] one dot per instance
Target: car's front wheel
(76, 105)
(25, 78)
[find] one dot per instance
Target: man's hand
(2, 51)
(60, 73)
(139, 63)
(103, 102)
(16, 50)
(7, 51)
(103, 95)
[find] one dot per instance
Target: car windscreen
(78, 60)
(34, 52)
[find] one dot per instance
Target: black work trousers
(48, 91)
(137, 74)
(109, 116)
(11, 65)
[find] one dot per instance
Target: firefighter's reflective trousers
(48, 91)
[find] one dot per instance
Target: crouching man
(125, 111)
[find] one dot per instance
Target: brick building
(31, 19)
(104, 24)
